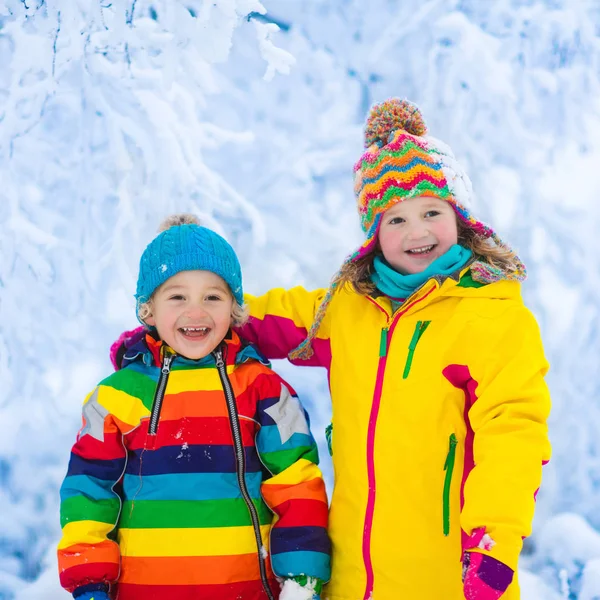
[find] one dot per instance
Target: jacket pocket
(449, 468)
(420, 328)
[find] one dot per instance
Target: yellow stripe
(215, 541)
(84, 532)
(122, 405)
(184, 381)
(301, 470)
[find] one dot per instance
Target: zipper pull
(167, 360)
(451, 448)
(219, 358)
(383, 342)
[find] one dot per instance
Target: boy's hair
(183, 244)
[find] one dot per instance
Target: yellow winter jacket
(438, 430)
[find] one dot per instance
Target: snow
(249, 114)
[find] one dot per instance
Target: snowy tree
(114, 114)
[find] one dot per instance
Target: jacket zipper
(234, 421)
(449, 468)
(160, 393)
(384, 342)
(419, 331)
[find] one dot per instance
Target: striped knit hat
(401, 162)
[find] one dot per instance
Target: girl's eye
(432, 213)
(396, 220)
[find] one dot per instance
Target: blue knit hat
(187, 247)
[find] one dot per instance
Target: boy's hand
(484, 577)
(84, 593)
(301, 588)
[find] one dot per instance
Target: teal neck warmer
(399, 287)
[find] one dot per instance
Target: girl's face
(414, 232)
(192, 312)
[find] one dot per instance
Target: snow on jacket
(438, 430)
(175, 476)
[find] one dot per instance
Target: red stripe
(401, 185)
(371, 446)
(248, 590)
(88, 573)
(460, 377)
(276, 337)
(196, 431)
(109, 449)
(302, 513)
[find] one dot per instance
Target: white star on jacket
(288, 415)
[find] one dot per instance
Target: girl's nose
(417, 231)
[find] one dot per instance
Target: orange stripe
(399, 161)
(77, 554)
(194, 404)
(406, 176)
(191, 570)
(276, 494)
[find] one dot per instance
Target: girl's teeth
(421, 250)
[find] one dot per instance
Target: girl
(436, 371)
(188, 450)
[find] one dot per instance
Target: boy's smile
(414, 232)
(192, 312)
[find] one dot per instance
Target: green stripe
(420, 328)
(81, 508)
(407, 146)
(134, 383)
(393, 192)
(181, 514)
(278, 461)
(467, 281)
(449, 468)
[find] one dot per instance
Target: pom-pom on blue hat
(187, 246)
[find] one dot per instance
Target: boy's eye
(176, 297)
(213, 298)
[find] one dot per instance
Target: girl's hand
(484, 577)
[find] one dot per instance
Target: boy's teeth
(194, 328)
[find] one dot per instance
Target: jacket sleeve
(510, 406)
(295, 492)
(90, 506)
(279, 322)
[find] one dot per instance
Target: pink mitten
(484, 577)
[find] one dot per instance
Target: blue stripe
(109, 470)
(85, 485)
(269, 440)
(411, 165)
(310, 539)
(196, 458)
(314, 564)
(189, 486)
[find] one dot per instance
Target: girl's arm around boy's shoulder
(279, 322)
(296, 490)
(88, 560)
(509, 404)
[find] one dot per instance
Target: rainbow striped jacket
(192, 480)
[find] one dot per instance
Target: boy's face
(192, 312)
(414, 232)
